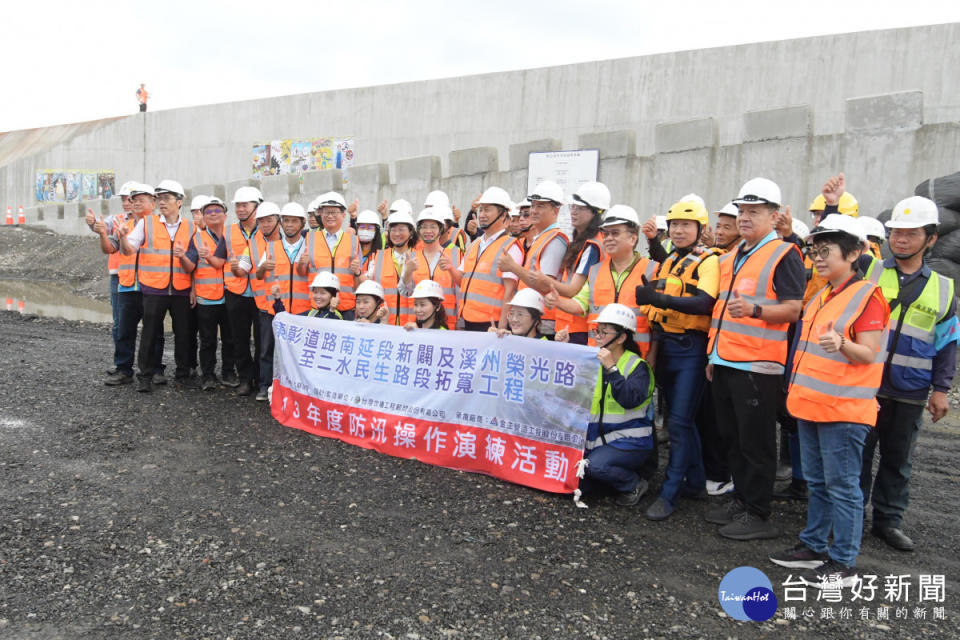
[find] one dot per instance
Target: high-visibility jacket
(911, 368)
(874, 271)
(258, 246)
(827, 387)
(127, 265)
(763, 344)
(568, 321)
(236, 242)
(294, 288)
(875, 250)
(207, 279)
(113, 259)
(338, 262)
(481, 289)
(679, 277)
(532, 261)
(604, 291)
(611, 424)
(400, 308)
(815, 281)
(441, 277)
(460, 239)
(158, 268)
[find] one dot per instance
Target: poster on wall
(59, 185)
(261, 160)
(106, 184)
(323, 154)
(88, 185)
(569, 169)
(279, 157)
(292, 155)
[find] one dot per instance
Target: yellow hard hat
(689, 210)
(848, 204)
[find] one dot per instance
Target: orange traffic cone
(21, 219)
(9, 304)
(9, 215)
(20, 306)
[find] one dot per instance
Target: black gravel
(185, 514)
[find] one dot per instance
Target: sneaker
(159, 378)
(726, 513)
(799, 556)
(144, 384)
(112, 371)
(188, 382)
(261, 395)
(118, 379)
(659, 510)
(784, 472)
(628, 499)
(245, 388)
(830, 575)
(796, 490)
(209, 383)
(230, 380)
(893, 536)
(747, 526)
(719, 488)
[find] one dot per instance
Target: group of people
(754, 322)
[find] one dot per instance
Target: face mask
(366, 235)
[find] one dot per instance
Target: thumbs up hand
(646, 293)
(550, 300)
(738, 307)
(178, 251)
(830, 340)
(355, 266)
(89, 218)
(98, 225)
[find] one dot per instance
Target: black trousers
(712, 445)
(475, 326)
(244, 318)
(155, 309)
(212, 318)
(194, 335)
(266, 353)
(746, 407)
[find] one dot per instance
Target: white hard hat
(447, 213)
(312, 206)
(401, 206)
(523, 204)
(618, 314)
(514, 212)
(549, 191)
(170, 186)
(210, 201)
(595, 195)
(729, 209)
(692, 197)
(267, 209)
(326, 280)
(801, 229)
(330, 199)
(914, 212)
(433, 213)
(496, 195)
(369, 217)
(400, 217)
(139, 188)
(661, 222)
(759, 190)
(126, 187)
(872, 227)
(370, 288)
(435, 198)
(839, 223)
(428, 289)
(293, 209)
(247, 194)
(198, 202)
(620, 214)
(529, 298)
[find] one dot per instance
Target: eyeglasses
(166, 197)
(213, 210)
(823, 252)
(329, 214)
(601, 333)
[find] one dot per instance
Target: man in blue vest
(921, 353)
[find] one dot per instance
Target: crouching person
(620, 432)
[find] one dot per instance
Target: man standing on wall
(142, 97)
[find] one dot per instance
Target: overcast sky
(70, 61)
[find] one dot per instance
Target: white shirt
(138, 235)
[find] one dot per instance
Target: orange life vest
(294, 288)
(568, 321)
(338, 262)
(400, 307)
(481, 289)
(827, 387)
(754, 340)
(236, 242)
(532, 260)
(679, 277)
(604, 291)
(207, 279)
(441, 277)
(158, 268)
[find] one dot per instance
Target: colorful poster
(344, 158)
(261, 160)
(74, 182)
(88, 185)
(513, 408)
(323, 153)
(299, 155)
(279, 157)
(301, 158)
(106, 184)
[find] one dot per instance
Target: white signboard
(569, 169)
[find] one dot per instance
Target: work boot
(112, 371)
(144, 384)
(725, 514)
(628, 498)
(209, 383)
(159, 378)
(230, 379)
(796, 490)
(188, 381)
(245, 388)
(893, 536)
(117, 379)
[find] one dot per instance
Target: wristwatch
(757, 311)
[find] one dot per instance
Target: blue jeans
(129, 313)
(832, 453)
(115, 306)
(266, 350)
(612, 468)
(681, 363)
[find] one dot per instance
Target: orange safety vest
(826, 387)
(258, 245)
(753, 340)
(568, 321)
(481, 292)
(157, 267)
(604, 291)
(400, 307)
(236, 242)
(815, 282)
(113, 259)
(207, 279)
(460, 239)
(127, 265)
(532, 260)
(680, 277)
(441, 277)
(294, 288)
(338, 262)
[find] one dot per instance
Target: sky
(72, 61)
